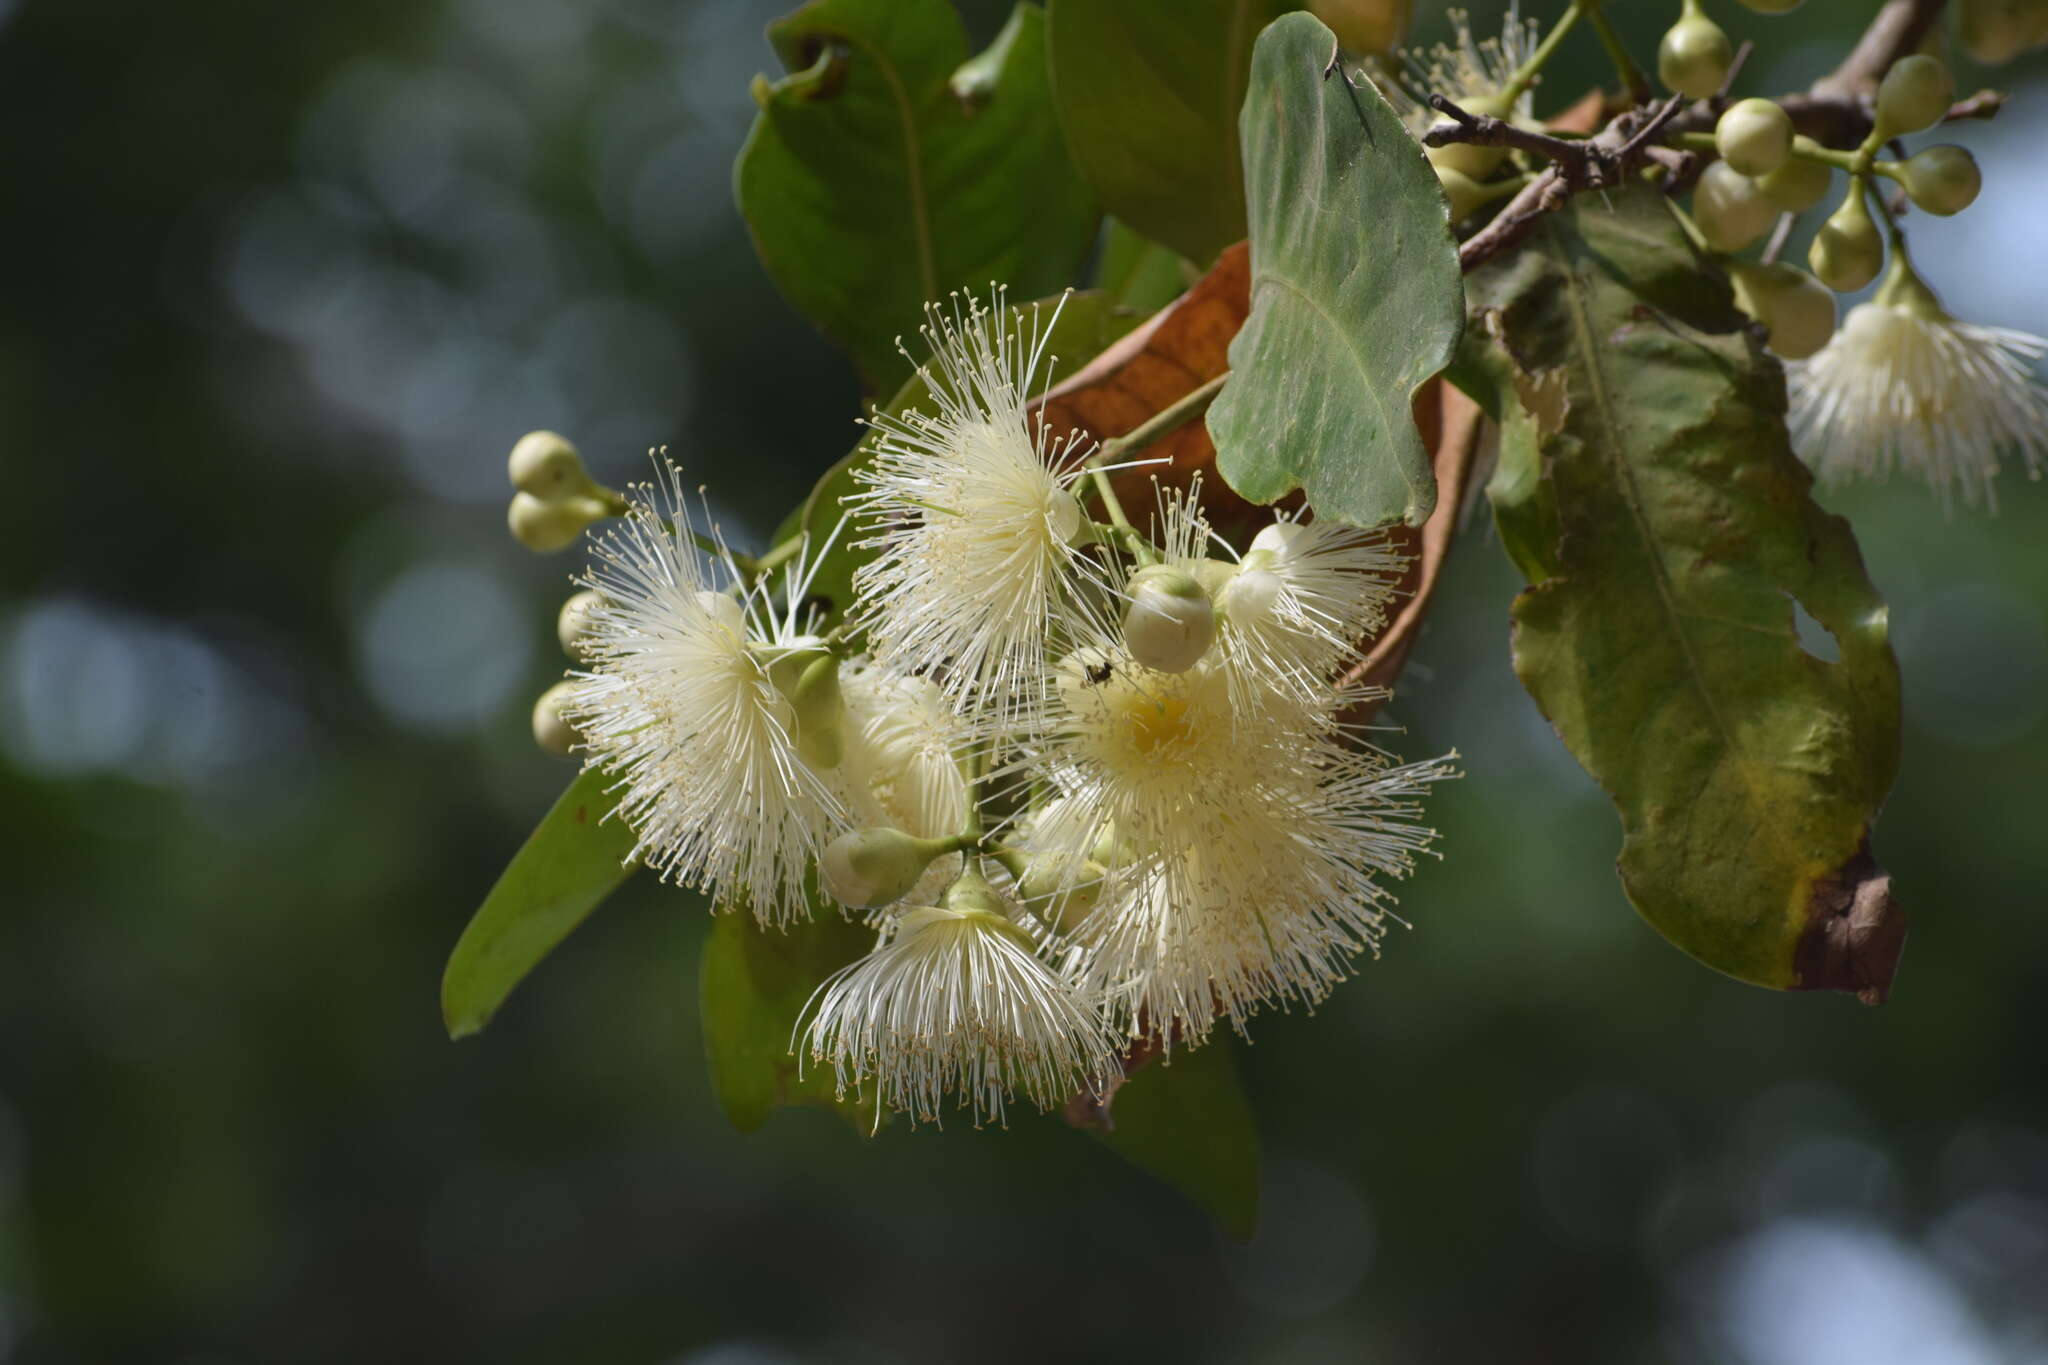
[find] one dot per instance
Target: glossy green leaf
(572, 861)
(1188, 1122)
(1357, 300)
(1648, 489)
(1086, 323)
(888, 169)
(1148, 92)
(753, 985)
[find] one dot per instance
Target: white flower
(1904, 385)
(1304, 597)
(953, 1000)
(1472, 75)
(973, 514)
(1244, 848)
(903, 750)
(680, 706)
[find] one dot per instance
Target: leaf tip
(1855, 932)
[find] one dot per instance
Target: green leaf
(1357, 299)
(1148, 92)
(572, 861)
(753, 985)
(1138, 273)
(1087, 323)
(1188, 1122)
(1648, 489)
(888, 169)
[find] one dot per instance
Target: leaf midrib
(913, 162)
(1625, 485)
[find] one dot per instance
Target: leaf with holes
(888, 169)
(1356, 296)
(1648, 490)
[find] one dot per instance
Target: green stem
(1632, 78)
(1525, 75)
(1169, 418)
(1139, 547)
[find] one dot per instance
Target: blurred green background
(282, 285)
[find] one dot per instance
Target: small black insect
(1099, 673)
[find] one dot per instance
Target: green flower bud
(1170, 621)
(1251, 594)
(1797, 185)
(574, 626)
(868, 868)
(1466, 195)
(548, 526)
(1730, 210)
(1695, 54)
(1797, 311)
(819, 711)
(548, 467)
(1941, 180)
(1467, 158)
(1847, 251)
(1914, 95)
(1996, 31)
(1061, 891)
(551, 729)
(1754, 136)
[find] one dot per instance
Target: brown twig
(1896, 32)
(1603, 161)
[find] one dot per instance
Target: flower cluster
(1091, 786)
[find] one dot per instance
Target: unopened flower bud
(1170, 621)
(1847, 251)
(546, 526)
(575, 627)
(725, 609)
(1796, 310)
(1695, 54)
(1251, 594)
(868, 868)
(820, 709)
(1941, 180)
(1797, 185)
(548, 467)
(1914, 95)
(1754, 136)
(1466, 195)
(1063, 514)
(1060, 890)
(1730, 210)
(1278, 540)
(551, 729)
(1470, 158)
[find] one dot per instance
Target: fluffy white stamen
(973, 514)
(954, 1001)
(678, 705)
(1902, 385)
